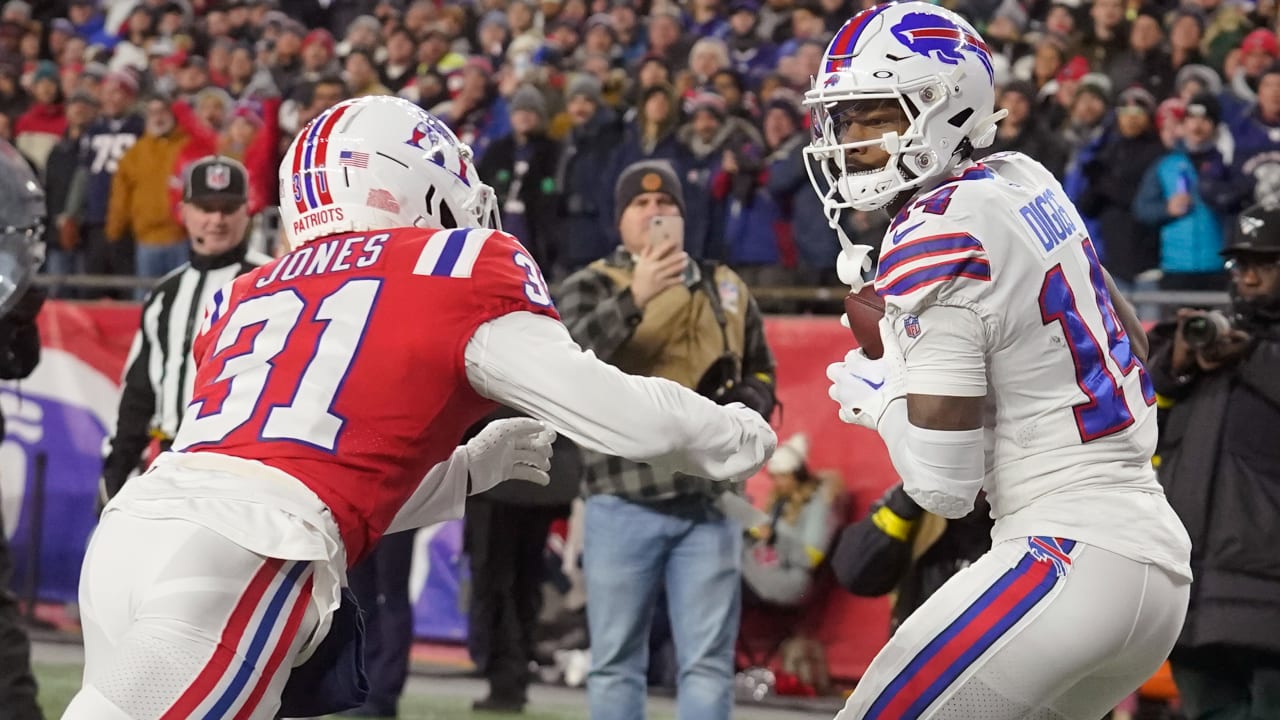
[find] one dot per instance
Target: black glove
(754, 393)
(901, 503)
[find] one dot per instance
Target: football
(863, 309)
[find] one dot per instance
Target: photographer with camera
(651, 310)
(1217, 376)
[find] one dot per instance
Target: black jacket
(1219, 462)
(20, 340)
(525, 175)
(160, 370)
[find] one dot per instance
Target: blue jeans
(154, 261)
(630, 552)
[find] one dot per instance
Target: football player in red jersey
(332, 388)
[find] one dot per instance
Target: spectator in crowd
(157, 380)
(1186, 30)
(472, 113)
(380, 584)
(1087, 130)
(1257, 52)
(1145, 62)
(1106, 34)
(521, 169)
(586, 203)
(1257, 140)
(1225, 27)
(63, 254)
(778, 565)
(115, 130)
(1113, 177)
(22, 212)
(712, 136)
(362, 75)
(751, 56)
(139, 206)
(505, 538)
(652, 135)
(803, 232)
(1023, 130)
(650, 310)
(38, 129)
(1186, 195)
(1217, 463)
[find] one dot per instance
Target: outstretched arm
(530, 363)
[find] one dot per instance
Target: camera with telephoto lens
(1203, 331)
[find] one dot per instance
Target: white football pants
(180, 622)
(1036, 629)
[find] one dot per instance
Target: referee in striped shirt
(159, 372)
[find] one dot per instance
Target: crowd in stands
(1162, 121)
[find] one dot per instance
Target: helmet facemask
(913, 158)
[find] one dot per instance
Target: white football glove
(863, 387)
(510, 449)
(758, 439)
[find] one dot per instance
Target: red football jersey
(342, 363)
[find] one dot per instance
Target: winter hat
(790, 455)
(587, 86)
(527, 97)
(1137, 97)
(646, 176)
(1203, 74)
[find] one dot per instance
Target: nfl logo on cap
(217, 176)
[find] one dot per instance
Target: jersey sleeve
(935, 255)
(507, 279)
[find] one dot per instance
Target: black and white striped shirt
(160, 372)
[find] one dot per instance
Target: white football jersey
(1071, 418)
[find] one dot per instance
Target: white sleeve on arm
(529, 362)
(942, 470)
(442, 495)
(948, 354)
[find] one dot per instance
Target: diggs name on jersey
(336, 255)
(1048, 220)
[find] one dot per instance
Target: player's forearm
(1128, 318)
(530, 363)
(440, 496)
(942, 470)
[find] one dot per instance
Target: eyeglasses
(1241, 264)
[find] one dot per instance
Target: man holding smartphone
(652, 310)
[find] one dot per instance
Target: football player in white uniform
(1010, 367)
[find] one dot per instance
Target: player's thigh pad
(1007, 635)
(188, 623)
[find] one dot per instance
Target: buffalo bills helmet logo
(938, 37)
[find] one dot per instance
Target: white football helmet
(376, 163)
(924, 58)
